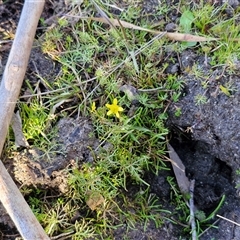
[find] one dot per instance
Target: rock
(170, 27)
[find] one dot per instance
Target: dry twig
(226, 219)
(191, 207)
(11, 83)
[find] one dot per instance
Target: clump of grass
(132, 139)
(214, 21)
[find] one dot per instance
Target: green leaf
(225, 90)
(186, 45)
(186, 21)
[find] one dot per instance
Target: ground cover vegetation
(120, 79)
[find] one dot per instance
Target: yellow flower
(114, 108)
(93, 107)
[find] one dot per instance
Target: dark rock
(170, 27)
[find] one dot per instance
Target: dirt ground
(210, 150)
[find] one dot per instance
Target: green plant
(178, 112)
(200, 99)
(202, 221)
(35, 117)
(96, 61)
(148, 209)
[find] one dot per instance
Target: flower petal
(93, 107)
(115, 101)
(109, 112)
